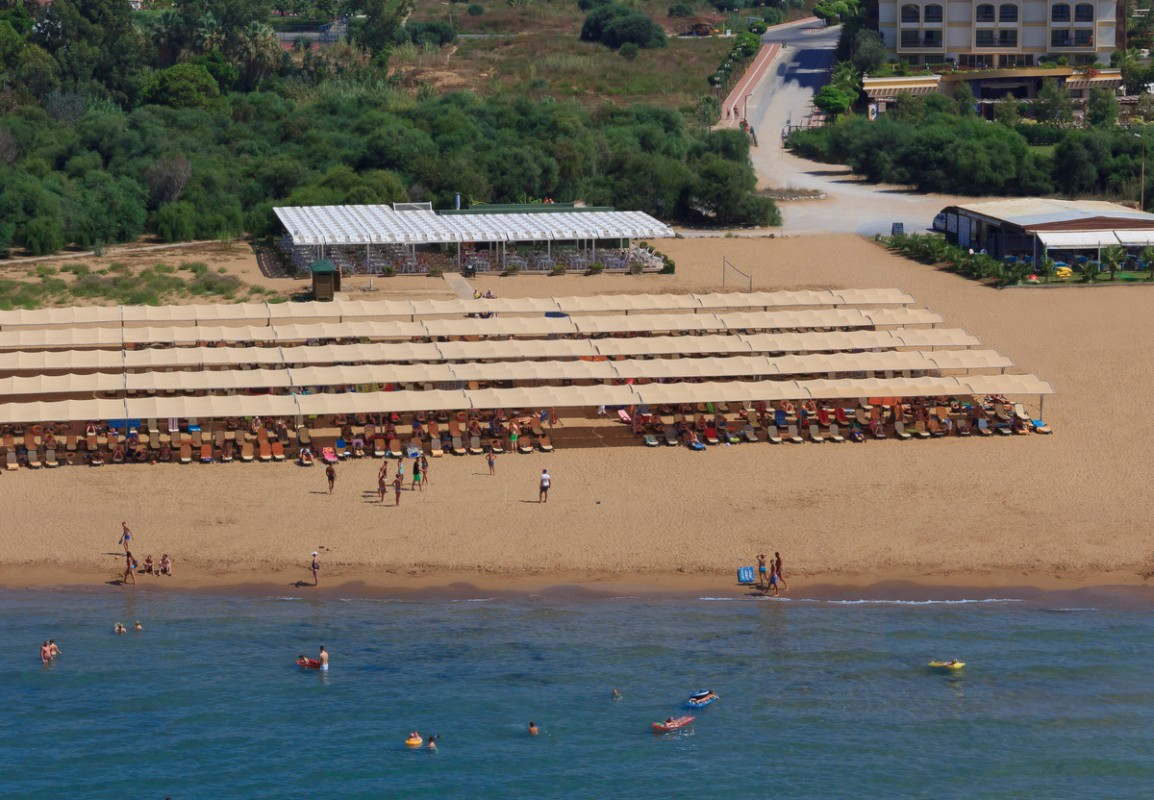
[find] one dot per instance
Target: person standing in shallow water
(316, 568)
(777, 571)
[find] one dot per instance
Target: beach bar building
(1030, 229)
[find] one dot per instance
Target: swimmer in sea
(53, 650)
(138, 626)
(323, 658)
(119, 629)
(533, 728)
(616, 695)
(432, 743)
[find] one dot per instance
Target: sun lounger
(524, 446)
(900, 431)
(792, 435)
(458, 447)
(815, 435)
(862, 416)
(50, 459)
(984, 427)
(835, 434)
(435, 448)
(227, 453)
(623, 415)
(1004, 429)
(751, 419)
(206, 453)
(749, 433)
(246, 453)
(475, 448)
(278, 451)
(545, 443)
(10, 461)
(496, 446)
(304, 437)
(650, 440)
(864, 403)
(33, 458)
(1020, 412)
(1039, 426)
(711, 435)
(186, 453)
(920, 430)
(395, 450)
(379, 450)
(196, 438)
(671, 436)
(265, 451)
(773, 435)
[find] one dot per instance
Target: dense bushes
(931, 144)
(613, 25)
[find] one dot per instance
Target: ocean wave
(864, 602)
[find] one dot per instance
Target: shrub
(681, 10)
(558, 269)
(43, 236)
(614, 25)
(435, 33)
(629, 51)
(512, 269)
(476, 10)
(596, 268)
(669, 266)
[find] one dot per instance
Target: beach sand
(1058, 511)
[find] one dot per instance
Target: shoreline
(1116, 588)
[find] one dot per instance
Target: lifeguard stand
(326, 280)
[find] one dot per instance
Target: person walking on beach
(398, 484)
(762, 571)
(777, 571)
(125, 536)
(416, 485)
(492, 459)
(129, 568)
(382, 484)
(323, 658)
(424, 470)
(331, 474)
(316, 568)
(546, 482)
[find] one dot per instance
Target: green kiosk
(326, 280)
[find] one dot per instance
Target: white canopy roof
(378, 224)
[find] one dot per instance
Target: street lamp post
(745, 114)
(450, 5)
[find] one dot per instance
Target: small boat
(701, 699)
(308, 663)
(672, 724)
(947, 665)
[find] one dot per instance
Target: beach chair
(185, 452)
(900, 431)
(862, 416)
(265, 450)
(475, 448)
(920, 430)
(984, 427)
(835, 434)
(458, 447)
(1039, 426)
(935, 428)
(545, 443)
(33, 458)
(379, 450)
(395, 450)
(711, 435)
(773, 435)
(50, 459)
(304, 437)
(206, 456)
(671, 436)
(815, 435)
(278, 450)
(751, 419)
(750, 434)
(10, 461)
(436, 450)
(340, 445)
(1004, 429)
(623, 415)
(246, 453)
(196, 437)
(962, 426)
(496, 446)
(864, 404)
(227, 453)
(1020, 412)
(650, 440)
(525, 446)
(792, 436)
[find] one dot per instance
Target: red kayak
(666, 727)
(308, 663)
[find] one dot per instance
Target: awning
(1077, 239)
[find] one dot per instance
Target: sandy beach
(1062, 511)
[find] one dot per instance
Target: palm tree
(1148, 261)
(1046, 267)
(1113, 257)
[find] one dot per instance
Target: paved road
(850, 206)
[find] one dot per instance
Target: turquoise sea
(819, 699)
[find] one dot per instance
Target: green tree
(43, 236)
(964, 100)
(1112, 258)
(833, 100)
(869, 51)
(185, 85)
(1102, 109)
(1053, 105)
(175, 222)
(1007, 111)
(96, 45)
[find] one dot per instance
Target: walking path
(735, 108)
(459, 285)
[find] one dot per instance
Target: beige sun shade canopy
(372, 374)
(41, 361)
(716, 392)
(71, 383)
(789, 319)
(62, 410)
(379, 353)
(382, 402)
(500, 326)
(534, 371)
(551, 397)
(516, 348)
(902, 316)
(52, 339)
(212, 406)
(645, 323)
(680, 368)
(1007, 385)
(208, 380)
(671, 345)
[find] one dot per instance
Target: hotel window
(910, 39)
(933, 13)
(985, 39)
(910, 13)
(933, 39)
(1008, 12)
(1007, 38)
(984, 13)
(1083, 38)
(1083, 12)
(1060, 13)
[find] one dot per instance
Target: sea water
(818, 699)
